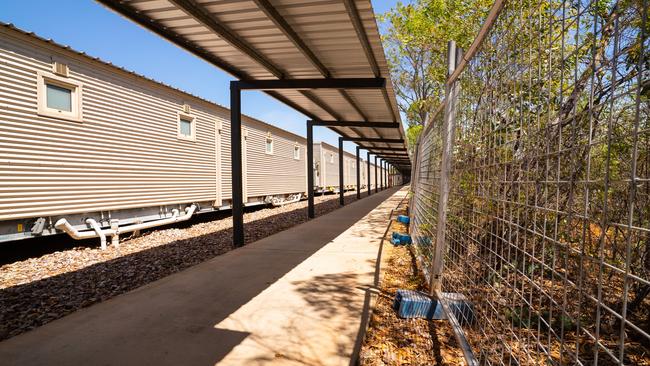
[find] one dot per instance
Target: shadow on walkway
(171, 320)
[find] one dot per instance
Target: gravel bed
(39, 290)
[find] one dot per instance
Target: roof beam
(356, 124)
(353, 13)
(308, 84)
(282, 24)
(267, 8)
(383, 148)
(373, 139)
(195, 11)
(161, 30)
(394, 155)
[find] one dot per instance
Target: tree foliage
(416, 46)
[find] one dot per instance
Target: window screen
(186, 127)
(269, 146)
(59, 98)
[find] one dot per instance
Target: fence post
(448, 124)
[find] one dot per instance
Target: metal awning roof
(288, 40)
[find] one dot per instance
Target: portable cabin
(95, 150)
(350, 169)
(326, 167)
(363, 173)
(372, 176)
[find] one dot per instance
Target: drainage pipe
(277, 203)
(98, 231)
(64, 225)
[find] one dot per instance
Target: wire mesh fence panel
(425, 197)
(548, 223)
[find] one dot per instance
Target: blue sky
(87, 26)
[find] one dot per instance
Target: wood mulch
(391, 340)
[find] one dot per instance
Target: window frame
(181, 116)
(268, 138)
(296, 152)
(76, 91)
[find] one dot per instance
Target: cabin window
(296, 152)
(59, 97)
(186, 126)
(269, 145)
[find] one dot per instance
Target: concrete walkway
(295, 298)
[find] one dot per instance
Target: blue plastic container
(413, 304)
(400, 239)
(403, 219)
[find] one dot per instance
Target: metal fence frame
(530, 202)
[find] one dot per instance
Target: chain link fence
(545, 232)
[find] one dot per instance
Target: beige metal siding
(331, 165)
(317, 165)
(350, 176)
(124, 154)
(277, 173)
(226, 171)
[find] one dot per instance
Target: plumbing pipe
(64, 225)
(282, 203)
(98, 230)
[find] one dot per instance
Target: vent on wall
(186, 108)
(60, 69)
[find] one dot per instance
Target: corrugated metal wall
(350, 176)
(125, 153)
(331, 165)
(277, 173)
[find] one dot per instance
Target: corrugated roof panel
(250, 39)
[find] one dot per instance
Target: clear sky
(87, 26)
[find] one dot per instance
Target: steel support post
(381, 174)
(368, 175)
(414, 169)
(310, 170)
(376, 186)
(451, 93)
(236, 161)
(341, 188)
(385, 174)
(358, 175)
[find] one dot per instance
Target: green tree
(416, 44)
